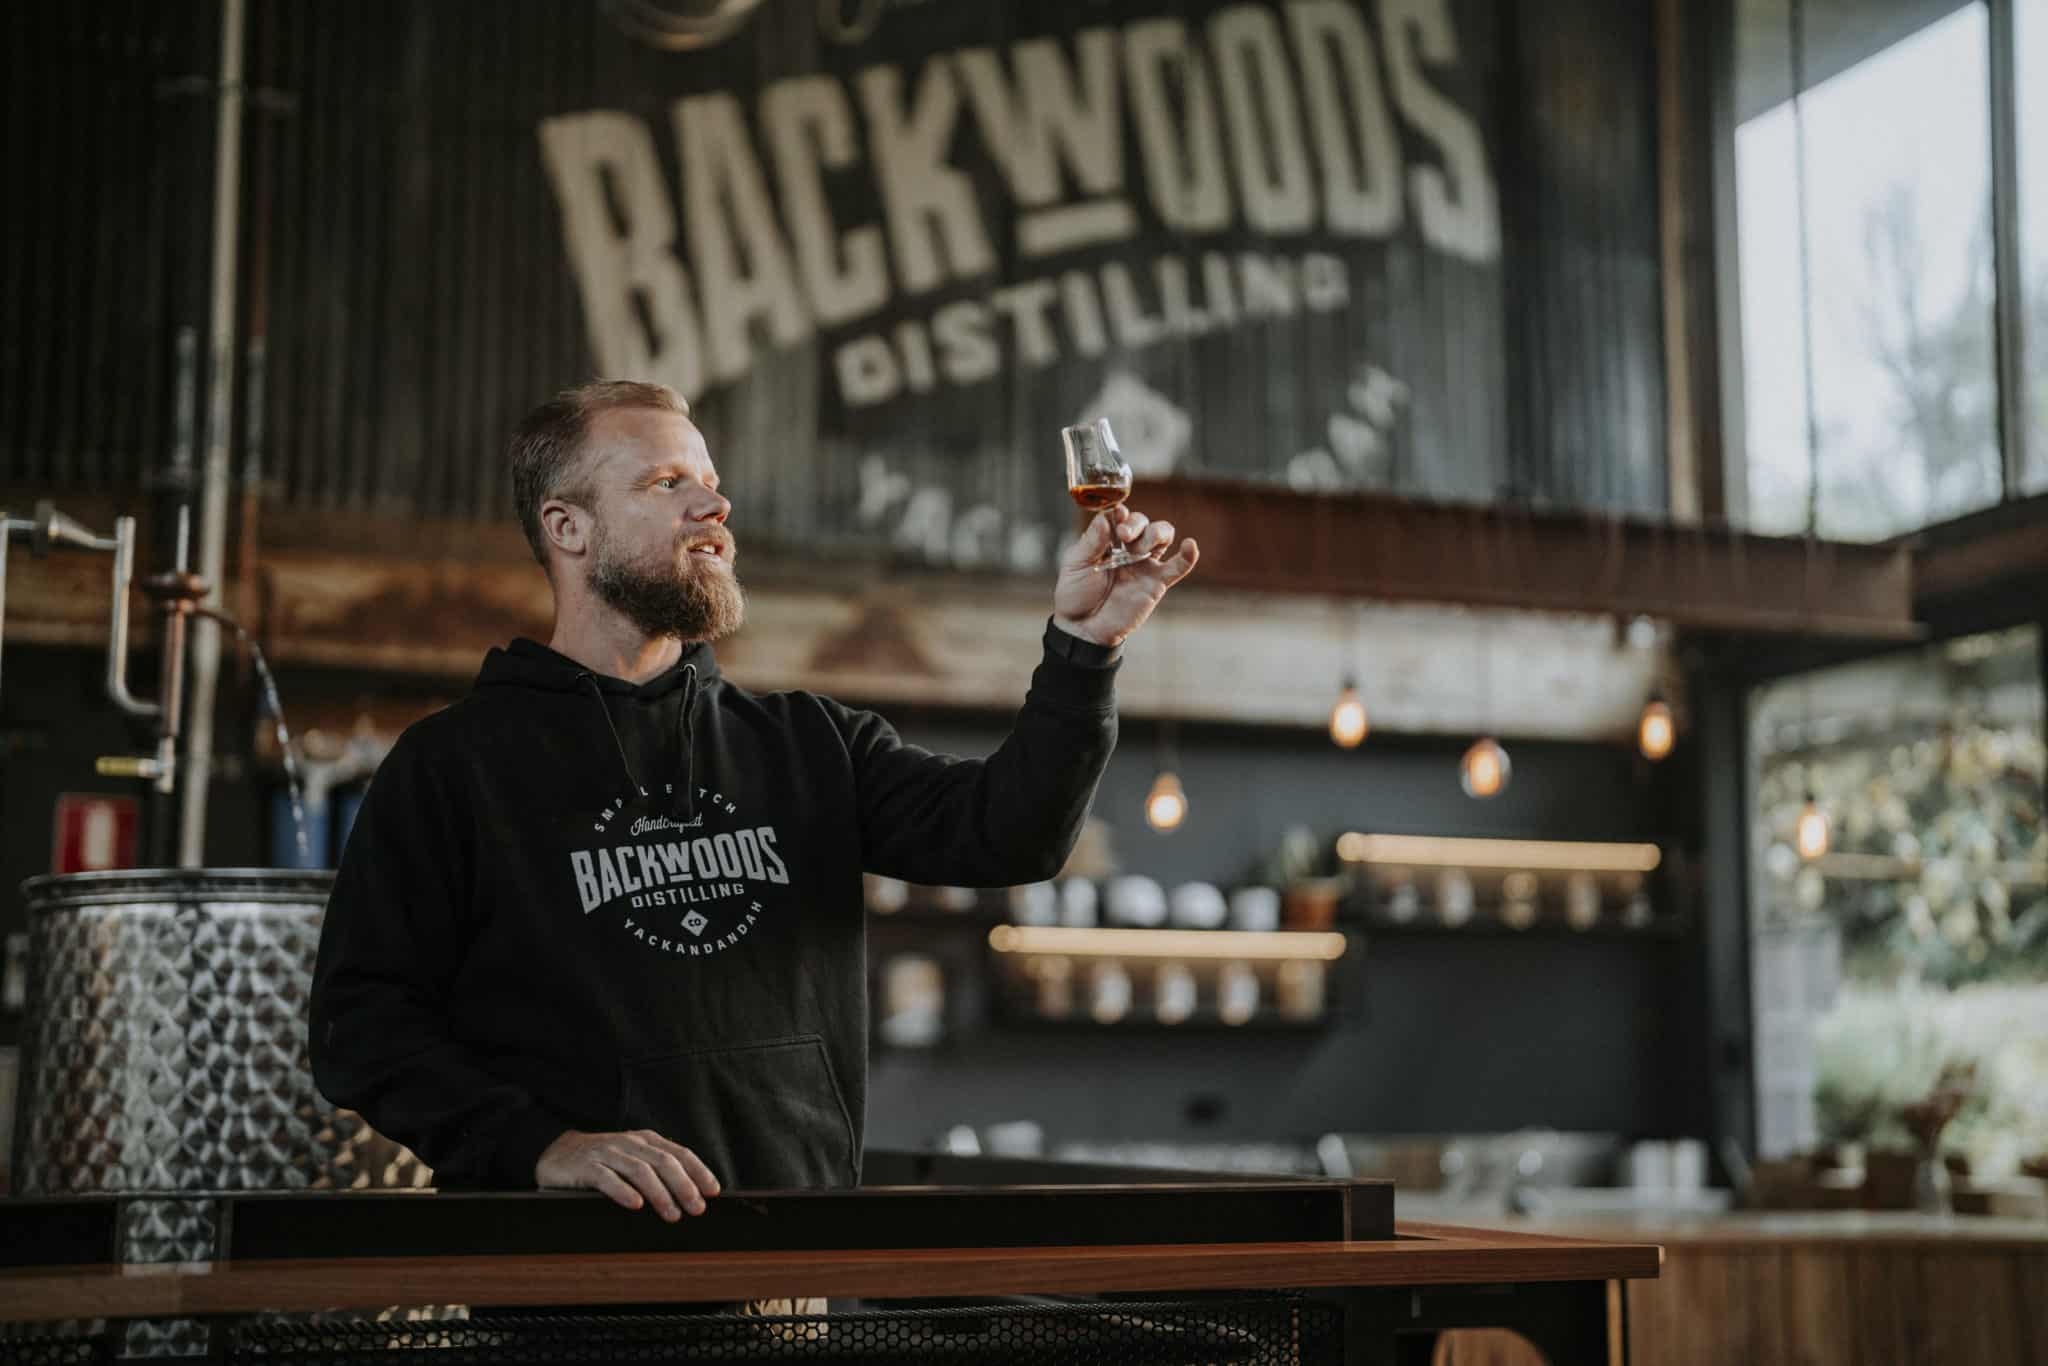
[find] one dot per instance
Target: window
(1919, 939)
(1869, 364)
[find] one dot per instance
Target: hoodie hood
(529, 664)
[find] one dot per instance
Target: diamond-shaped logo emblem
(1152, 433)
(695, 923)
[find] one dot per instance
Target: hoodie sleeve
(391, 944)
(1012, 817)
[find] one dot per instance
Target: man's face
(660, 553)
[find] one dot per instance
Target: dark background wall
(1436, 1031)
(1248, 785)
(1455, 1035)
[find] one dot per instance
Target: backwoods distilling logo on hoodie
(682, 888)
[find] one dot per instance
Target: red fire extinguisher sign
(94, 832)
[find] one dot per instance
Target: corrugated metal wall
(407, 294)
(412, 308)
(106, 120)
(1584, 282)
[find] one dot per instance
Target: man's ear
(565, 526)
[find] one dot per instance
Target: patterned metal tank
(165, 1052)
(165, 1041)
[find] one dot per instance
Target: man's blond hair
(547, 449)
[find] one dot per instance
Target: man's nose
(714, 509)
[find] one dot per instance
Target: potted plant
(1925, 1119)
(1303, 867)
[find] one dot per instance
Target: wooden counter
(1866, 1229)
(1351, 1283)
(1422, 1255)
(1818, 1289)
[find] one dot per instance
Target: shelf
(1424, 926)
(1484, 926)
(1167, 944)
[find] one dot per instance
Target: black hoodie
(573, 902)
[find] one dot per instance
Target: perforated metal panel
(1265, 1331)
(54, 1344)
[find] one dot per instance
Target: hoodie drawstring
(686, 728)
(632, 783)
(686, 732)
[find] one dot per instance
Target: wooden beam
(1210, 654)
(1256, 538)
(1293, 594)
(1452, 619)
(870, 636)
(1999, 548)
(1259, 538)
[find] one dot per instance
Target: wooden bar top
(1806, 1228)
(1421, 1254)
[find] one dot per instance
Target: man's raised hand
(1106, 605)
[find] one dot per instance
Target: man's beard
(687, 600)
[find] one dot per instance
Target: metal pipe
(45, 531)
(53, 528)
(50, 529)
(117, 626)
(184, 418)
(213, 495)
(171, 690)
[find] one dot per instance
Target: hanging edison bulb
(1813, 829)
(1166, 805)
(1347, 719)
(1656, 731)
(1484, 770)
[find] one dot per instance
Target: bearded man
(599, 924)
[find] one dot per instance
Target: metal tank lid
(52, 891)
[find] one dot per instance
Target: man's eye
(669, 482)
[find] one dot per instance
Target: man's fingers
(685, 1178)
(1132, 528)
(1182, 564)
(1161, 537)
(1091, 543)
(617, 1187)
(680, 1183)
(646, 1180)
(699, 1173)
(706, 1181)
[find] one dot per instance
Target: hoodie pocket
(763, 1116)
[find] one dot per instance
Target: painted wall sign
(1242, 231)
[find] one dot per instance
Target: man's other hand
(636, 1168)
(1106, 605)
